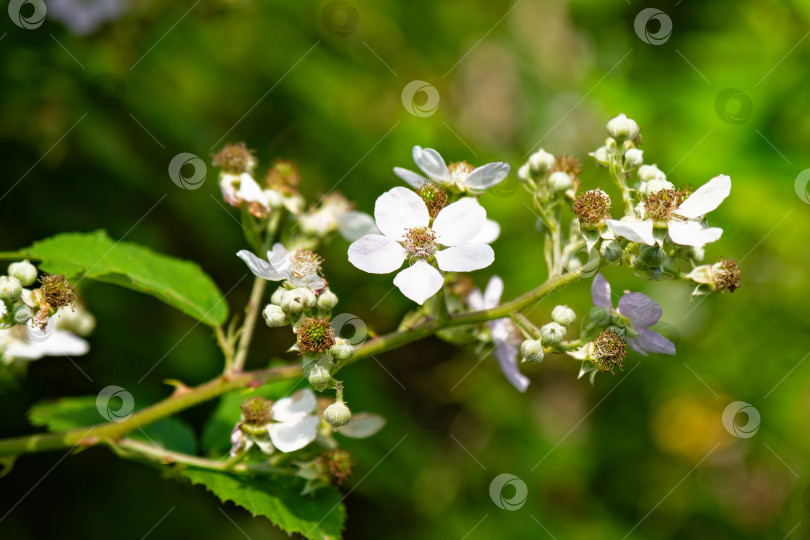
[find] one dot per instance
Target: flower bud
(524, 174)
(652, 256)
(274, 316)
(552, 333)
(602, 156)
(22, 314)
(297, 300)
(622, 128)
(319, 375)
(654, 186)
(633, 158)
(327, 300)
(342, 350)
(563, 315)
(650, 172)
(275, 298)
(24, 271)
(599, 316)
(559, 181)
(611, 251)
(531, 351)
(337, 414)
(10, 288)
(541, 161)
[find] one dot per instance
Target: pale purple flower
(459, 176)
(408, 233)
(640, 310)
(84, 17)
(501, 330)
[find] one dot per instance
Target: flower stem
(252, 312)
(618, 178)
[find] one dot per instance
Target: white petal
(60, 343)
(635, 231)
(263, 442)
(475, 300)
(259, 267)
(419, 282)
(488, 234)
(492, 295)
(294, 435)
(432, 164)
(706, 198)
(227, 184)
(296, 406)
(691, 233)
(414, 180)
(362, 425)
(354, 225)
(376, 254)
(459, 222)
(250, 191)
(487, 175)
(465, 258)
(398, 209)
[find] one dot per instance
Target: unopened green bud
(563, 315)
(654, 186)
(319, 375)
(337, 414)
(599, 316)
(650, 172)
(342, 350)
(524, 173)
(276, 296)
(602, 156)
(10, 288)
(633, 158)
(552, 333)
(652, 256)
(531, 351)
(22, 314)
(559, 181)
(24, 271)
(622, 128)
(297, 300)
(611, 251)
(327, 300)
(274, 316)
(541, 161)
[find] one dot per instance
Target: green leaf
(318, 516)
(95, 255)
(75, 412)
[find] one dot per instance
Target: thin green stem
(618, 178)
(251, 314)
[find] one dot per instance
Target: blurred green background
(90, 121)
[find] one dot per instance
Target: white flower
(685, 225)
(502, 332)
(461, 176)
(28, 342)
(354, 225)
(239, 188)
(407, 232)
(300, 268)
(325, 218)
(293, 426)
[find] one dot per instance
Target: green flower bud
(524, 173)
(599, 316)
(342, 350)
(650, 172)
(24, 271)
(652, 256)
(602, 156)
(622, 128)
(531, 351)
(337, 414)
(297, 300)
(611, 251)
(552, 333)
(563, 315)
(22, 314)
(654, 186)
(327, 300)
(10, 288)
(541, 161)
(633, 158)
(559, 181)
(319, 375)
(276, 297)
(274, 316)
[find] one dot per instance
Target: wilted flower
(460, 176)
(324, 219)
(721, 276)
(289, 424)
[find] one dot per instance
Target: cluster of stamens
(569, 165)
(459, 171)
(304, 263)
(235, 159)
(610, 349)
(315, 334)
(420, 241)
(283, 176)
(338, 463)
(662, 204)
(592, 207)
(57, 291)
(257, 411)
(727, 275)
(434, 197)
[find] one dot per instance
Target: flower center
(421, 241)
(459, 171)
(256, 411)
(592, 207)
(315, 335)
(235, 159)
(662, 204)
(727, 275)
(435, 198)
(610, 350)
(304, 263)
(57, 291)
